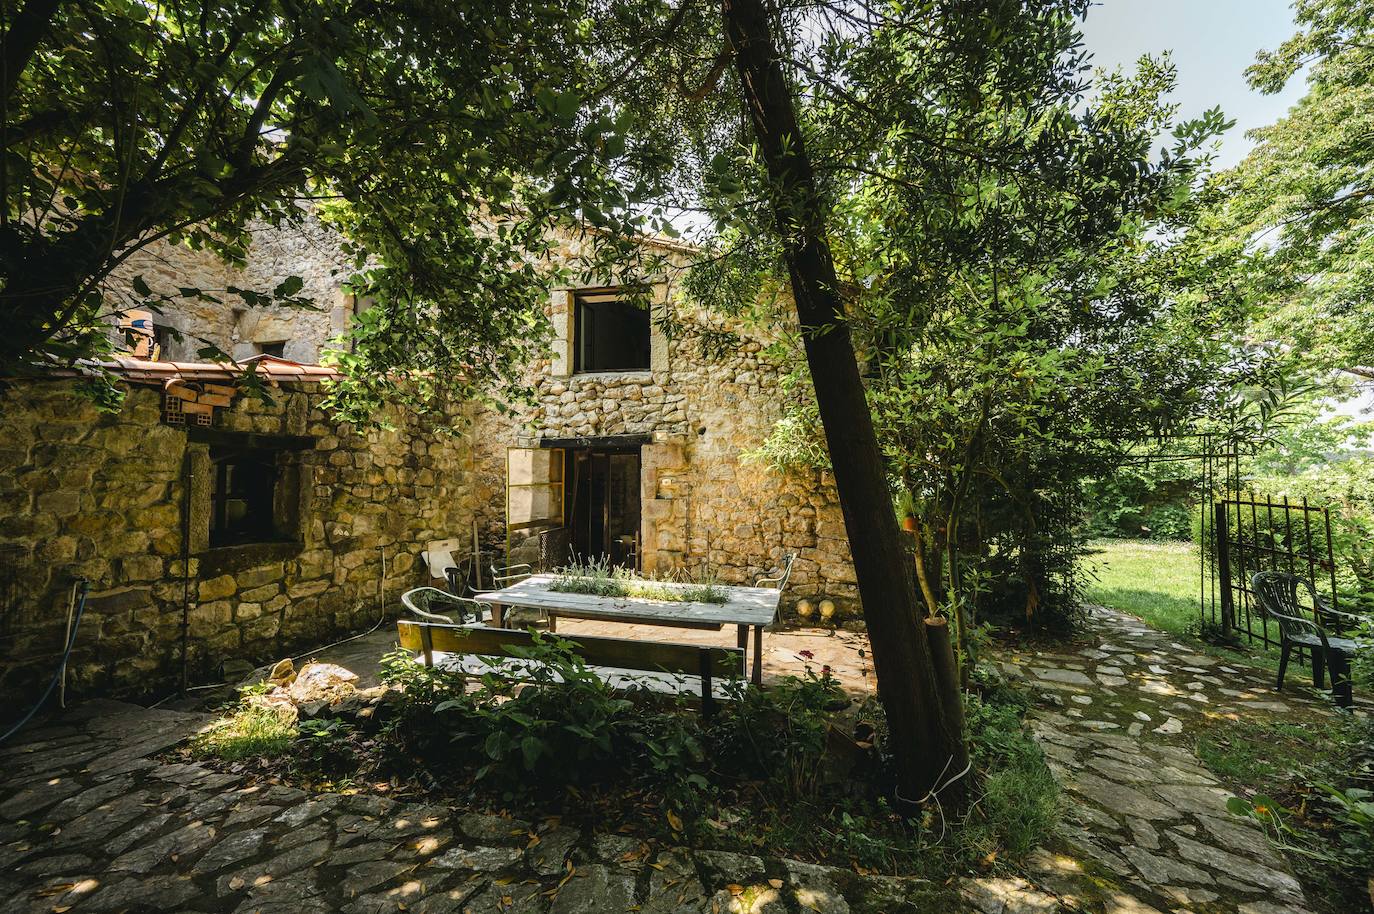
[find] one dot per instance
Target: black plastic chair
(1277, 594)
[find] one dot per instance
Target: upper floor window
(609, 332)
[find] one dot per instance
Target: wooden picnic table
(747, 607)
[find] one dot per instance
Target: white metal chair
(506, 575)
(780, 579)
(424, 601)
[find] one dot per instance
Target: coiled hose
(85, 587)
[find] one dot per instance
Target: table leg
(553, 623)
(742, 642)
(758, 655)
(498, 615)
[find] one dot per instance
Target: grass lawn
(1158, 581)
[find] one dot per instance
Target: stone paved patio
(91, 821)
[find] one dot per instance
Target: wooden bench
(656, 666)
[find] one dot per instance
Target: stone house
(215, 526)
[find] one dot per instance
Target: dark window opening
(610, 334)
(277, 348)
(604, 516)
(243, 496)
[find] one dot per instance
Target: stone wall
(101, 496)
(307, 249)
(704, 508)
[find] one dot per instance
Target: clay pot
(909, 524)
(805, 609)
(827, 610)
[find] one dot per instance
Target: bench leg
(708, 698)
(553, 623)
(742, 642)
(1284, 651)
(1318, 667)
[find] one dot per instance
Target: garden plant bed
(794, 771)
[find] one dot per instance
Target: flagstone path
(1145, 823)
(92, 821)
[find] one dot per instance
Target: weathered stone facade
(105, 497)
(705, 510)
(307, 249)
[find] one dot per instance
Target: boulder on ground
(322, 682)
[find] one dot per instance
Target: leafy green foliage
(1300, 207)
(1009, 248)
(1302, 782)
(252, 730)
(445, 153)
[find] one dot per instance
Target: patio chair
(780, 579)
(442, 566)
(506, 575)
(431, 604)
(1277, 594)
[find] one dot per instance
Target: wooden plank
(656, 656)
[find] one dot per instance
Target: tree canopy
(1300, 207)
(444, 139)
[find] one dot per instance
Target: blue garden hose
(76, 624)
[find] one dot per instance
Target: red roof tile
(269, 367)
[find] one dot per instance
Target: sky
(1213, 41)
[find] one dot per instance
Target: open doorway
(604, 516)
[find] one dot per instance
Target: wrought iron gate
(1254, 533)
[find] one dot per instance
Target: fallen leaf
(735, 888)
(775, 883)
(674, 820)
(236, 883)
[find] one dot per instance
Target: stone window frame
(290, 499)
(564, 314)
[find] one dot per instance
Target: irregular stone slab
(1161, 870)
(493, 829)
(1067, 677)
(816, 888)
(1247, 871)
(1169, 727)
(154, 893)
(1008, 895)
(548, 856)
(674, 887)
(617, 848)
(594, 889)
(479, 859)
(230, 850)
(724, 867)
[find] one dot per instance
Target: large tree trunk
(925, 726)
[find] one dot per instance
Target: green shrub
(563, 726)
(777, 734)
